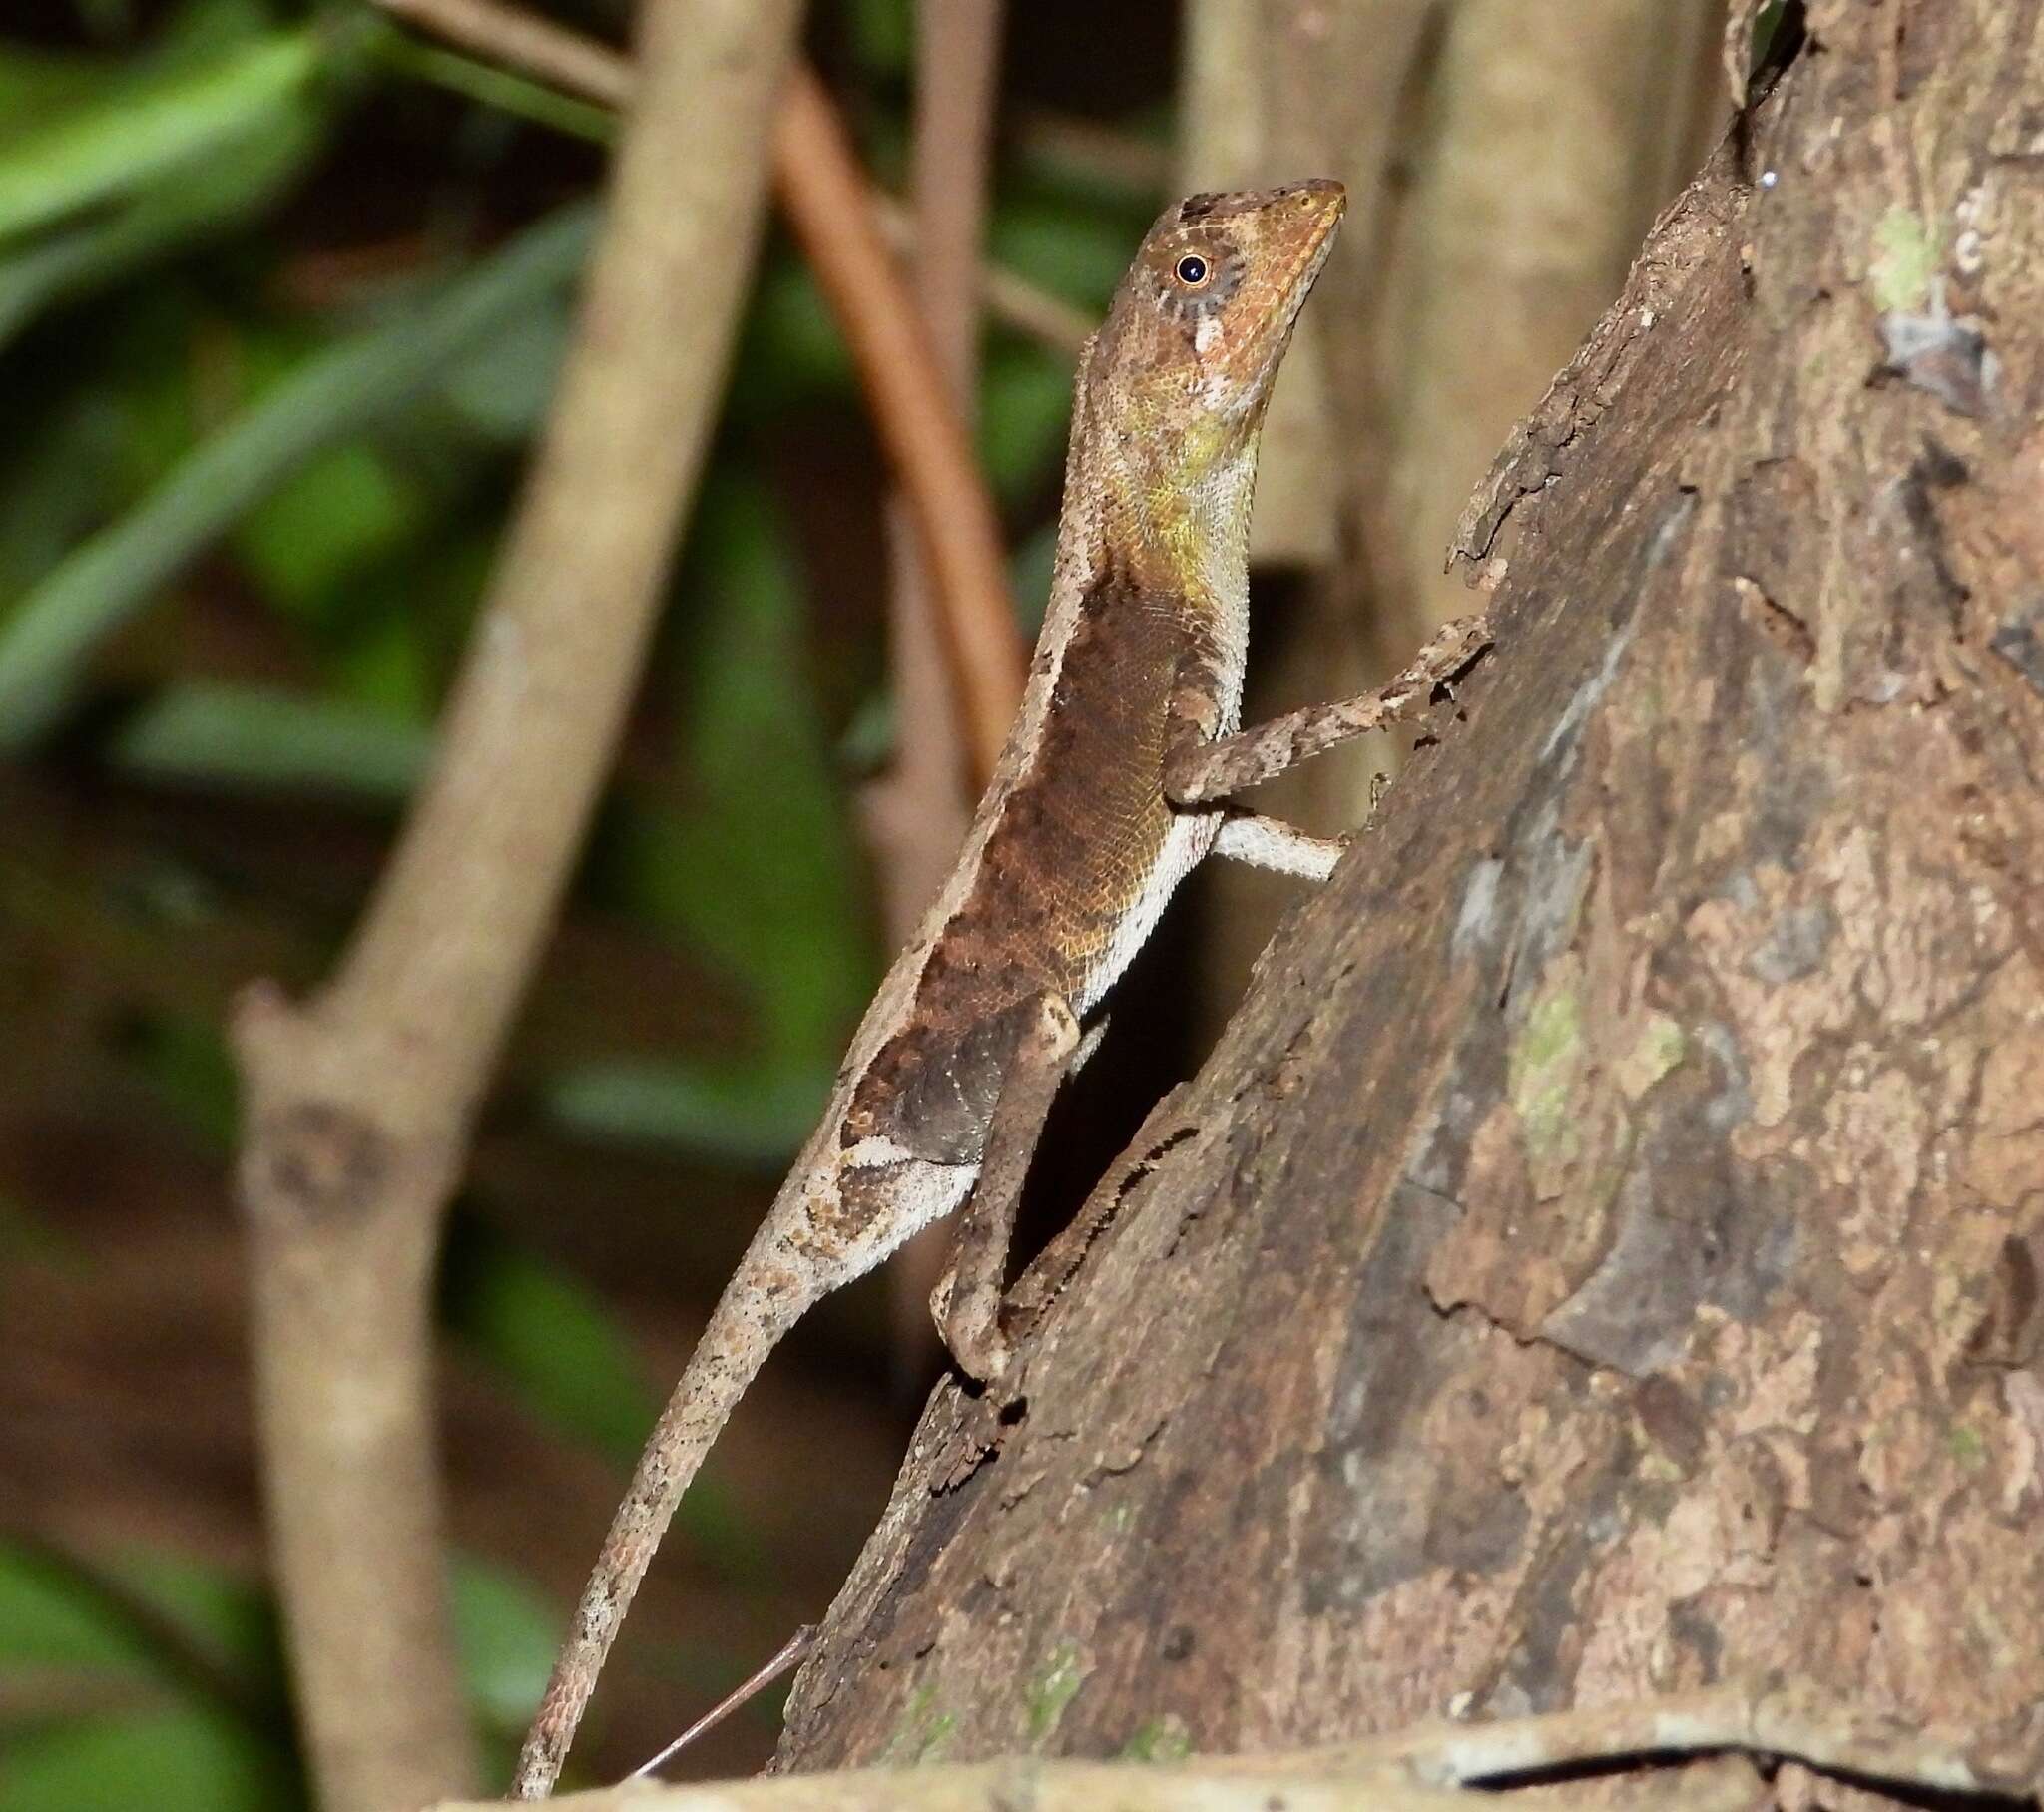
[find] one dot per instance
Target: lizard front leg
(967, 1302)
(1199, 771)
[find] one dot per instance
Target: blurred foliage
(184, 1670)
(282, 292)
(182, 1673)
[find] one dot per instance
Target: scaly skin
(1074, 850)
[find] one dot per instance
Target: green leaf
(759, 876)
(551, 1339)
(50, 1618)
(35, 85)
(190, 1759)
(327, 523)
(882, 34)
(507, 1635)
(332, 398)
(501, 387)
(789, 350)
(559, 1350)
(49, 501)
(382, 669)
(495, 87)
(255, 158)
(1079, 252)
(240, 178)
(228, 1615)
(151, 126)
(203, 28)
(1026, 410)
(249, 738)
(55, 1617)
(1765, 24)
(188, 1062)
(1029, 570)
(750, 1117)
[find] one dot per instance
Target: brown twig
(525, 40)
(1010, 299)
(957, 59)
(1107, 155)
(583, 66)
(831, 211)
(958, 48)
(837, 217)
(360, 1101)
(792, 1651)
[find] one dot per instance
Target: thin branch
(522, 40)
(360, 1101)
(831, 210)
(1423, 1769)
(957, 60)
(1109, 155)
(1011, 298)
(792, 1653)
(1044, 1785)
(565, 59)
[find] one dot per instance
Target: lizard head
(1205, 312)
(1171, 393)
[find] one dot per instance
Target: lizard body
(1071, 857)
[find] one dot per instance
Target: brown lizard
(1103, 799)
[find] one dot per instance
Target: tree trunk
(1603, 1254)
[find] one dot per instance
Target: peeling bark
(1602, 1258)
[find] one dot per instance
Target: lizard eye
(1192, 271)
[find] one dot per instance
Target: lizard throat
(1174, 510)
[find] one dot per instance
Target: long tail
(760, 1304)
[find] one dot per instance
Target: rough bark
(1602, 1256)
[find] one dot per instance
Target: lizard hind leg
(1270, 843)
(967, 1302)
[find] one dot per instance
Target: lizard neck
(1158, 489)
